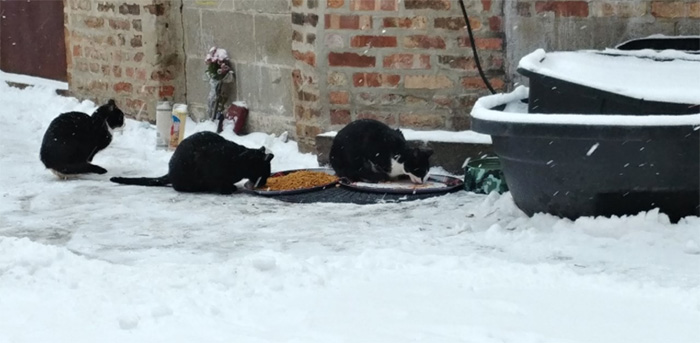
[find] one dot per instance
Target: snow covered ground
(90, 261)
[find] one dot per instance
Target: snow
(32, 80)
(466, 136)
(87, 260)
(516, 112)
(675, 81)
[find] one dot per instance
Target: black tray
(450, 182)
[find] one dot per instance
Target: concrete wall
(257, 35)
(129, 51)
(593, 24)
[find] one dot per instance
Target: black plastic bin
(550, 94)
(573, 170)
(683, 43)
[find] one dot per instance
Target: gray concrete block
(193, 42)
(274, 124)
(230, 31)
(262, 6)
(266, 89)
(273, 39)
(197, 86)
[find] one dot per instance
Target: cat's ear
(111, 104)
(269, 157)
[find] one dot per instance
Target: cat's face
(259, 166)
(115, 116)
(417, 164)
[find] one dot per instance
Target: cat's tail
(142, 181)
(78, 168)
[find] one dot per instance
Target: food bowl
(485, 175)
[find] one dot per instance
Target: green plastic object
(485, 176)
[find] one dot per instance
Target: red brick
(136, 41)
(477, 83)
(337, 79)
(125, 87)
(486, 5)
(141, 74)
(138, 57)
(424, 42)
(349, 59)
(363, 5)
(457, 62)
(339, 98)
(166, 91)
(375, 80)
(483, 43)
(94, 23)
(156, 9)
(335, 3)
(438, 5)
(105, 7)
(162, 75)
(302, 113)
(675, 9)
(386, 118)
(118, 24)
(373, 41)
(340, 117)
(388, 5)
(427, 82)
(348, 22)
(297, 3)
(406, 61)
(495, 24)
(563, 8)
(422, 121)
(129, 72)
(77, 51)
(418, 22)
(132, 9)
(456, 23)
(442, 100)
(308, 57)
(117, 71)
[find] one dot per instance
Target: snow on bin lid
(667, 76)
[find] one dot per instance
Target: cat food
(298, 180)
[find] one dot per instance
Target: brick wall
(594, 24)
(405, 62)
(307, 66)
(129, 51)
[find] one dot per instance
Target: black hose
(476, 55)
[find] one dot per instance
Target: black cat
(73, 139)
(207, 162)
(369, 150)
